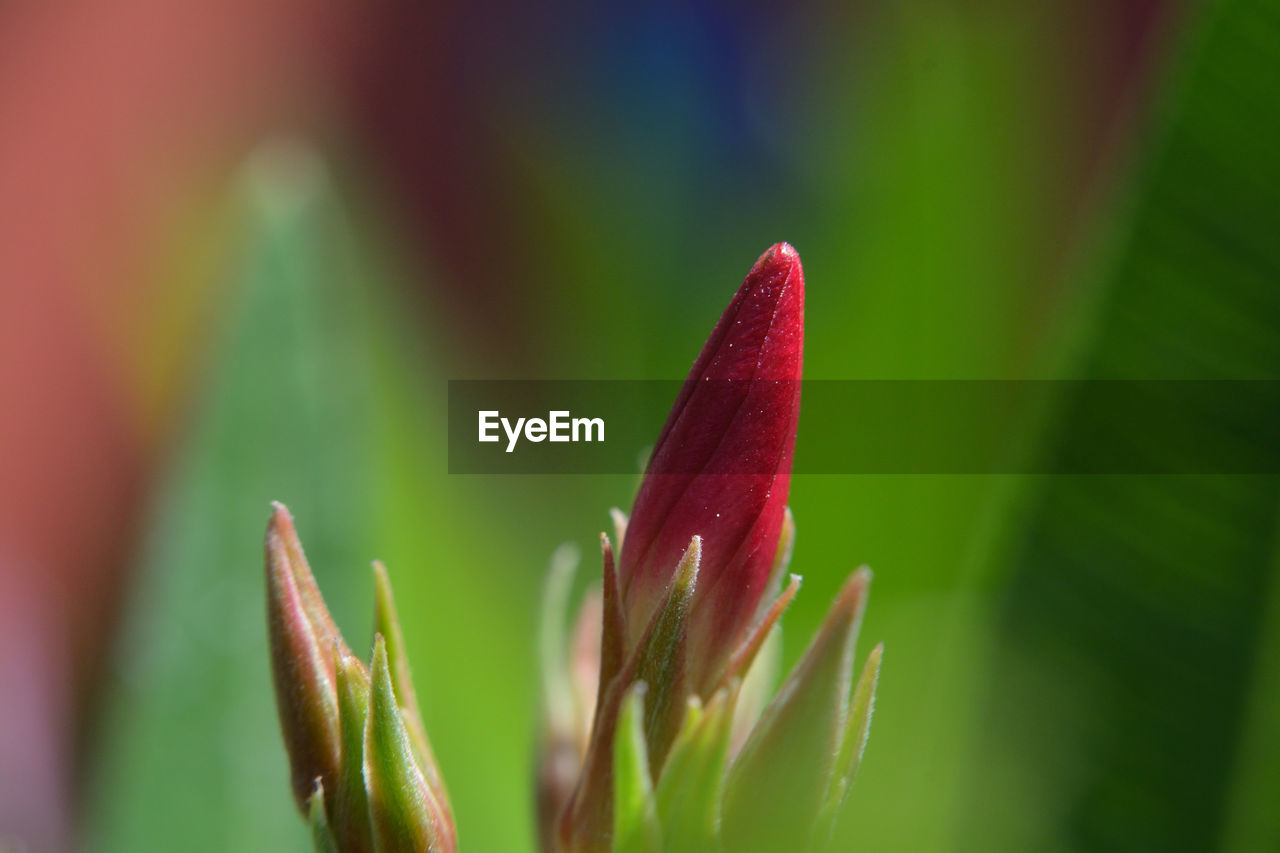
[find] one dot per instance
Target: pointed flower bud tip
(721, 468)
(302, 662)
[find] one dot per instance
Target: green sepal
(782, 557)
(740, 661)
(778, 785)
(613, 628)
(860, 710)
(692, 782)
(403, 812)
(635, 826)
(321, 835)
(661, 658)
(586, 826)
(857, 728)
(587, 823)
(387, 623)
(350, 800)
(758, 688)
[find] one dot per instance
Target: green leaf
(635, 827)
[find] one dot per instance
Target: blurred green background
(295, 221)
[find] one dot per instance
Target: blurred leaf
(553, 642)
(1252, 818)
(1131, 634)
(191, 754)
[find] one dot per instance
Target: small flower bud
(362, 768)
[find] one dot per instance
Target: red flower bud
(721, 469)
